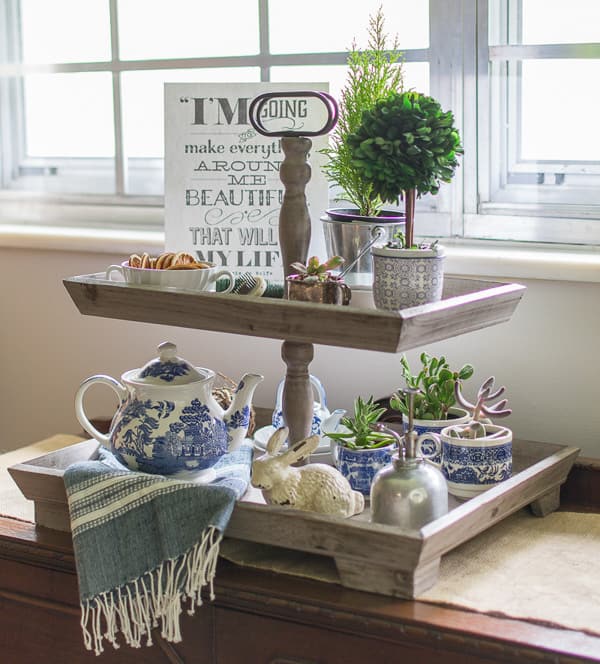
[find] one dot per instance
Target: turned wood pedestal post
(297, 391)
(294, 241)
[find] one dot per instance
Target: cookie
(164, 260)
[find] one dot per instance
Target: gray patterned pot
(407, 277)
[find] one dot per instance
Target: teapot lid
(168, 368)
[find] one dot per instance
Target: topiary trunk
(410, 196)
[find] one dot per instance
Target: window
(538, 144)
(81, 87)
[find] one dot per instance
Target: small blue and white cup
(456, 416)
(471, 466)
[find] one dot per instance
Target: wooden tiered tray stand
(368, 556)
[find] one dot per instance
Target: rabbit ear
(276, 440)
(302, 449)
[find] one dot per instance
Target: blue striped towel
(144, 543)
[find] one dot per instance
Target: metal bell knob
(410, 436)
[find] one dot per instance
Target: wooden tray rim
(559, 455)
(487, 288)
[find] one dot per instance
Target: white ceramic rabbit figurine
(315, 487)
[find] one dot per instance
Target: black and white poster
(223, 193)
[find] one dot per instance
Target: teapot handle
(317, 386)
(82, 418)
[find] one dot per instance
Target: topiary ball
(406, 141)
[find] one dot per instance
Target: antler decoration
(485, 394)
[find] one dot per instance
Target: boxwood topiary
(405, 142)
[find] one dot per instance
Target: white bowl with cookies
(178, 270)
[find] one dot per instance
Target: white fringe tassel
(152, 600)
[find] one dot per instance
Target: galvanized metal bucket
(347, 233)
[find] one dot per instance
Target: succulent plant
(315, 271)
(485, 394)
(475, 430)
(360, 434)
(435, 385)
(406, 145)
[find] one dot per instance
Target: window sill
(92, 240)
(470, 258)
(514, 260)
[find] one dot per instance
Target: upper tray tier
(467, 305)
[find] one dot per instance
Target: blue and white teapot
(168, 419)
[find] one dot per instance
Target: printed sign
(223, 192)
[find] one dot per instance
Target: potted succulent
(476, 455)
(434, 399)
(360, 451)
(406, 146)
(315, 282)
(372, 74)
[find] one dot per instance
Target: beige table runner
(540, 570)
(12, 502)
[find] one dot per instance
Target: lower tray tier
(371, 557)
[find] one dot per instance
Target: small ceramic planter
(317, 292)
(472, 466)
(407, 277)
(359, 467)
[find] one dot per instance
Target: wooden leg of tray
(387, 580)
(297, 391)
(547, 503)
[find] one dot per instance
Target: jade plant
(372, 74)
(314, 271)
(405, 146)
(360, 434)
(435, 386)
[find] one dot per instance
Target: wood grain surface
(355, 543)
(260, 617)
(467, 305)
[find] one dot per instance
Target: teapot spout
(330, 424)
(237, 416)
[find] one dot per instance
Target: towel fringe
(153, 599)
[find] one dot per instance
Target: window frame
(498, 209)
(459, 79)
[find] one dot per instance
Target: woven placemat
(538, 570)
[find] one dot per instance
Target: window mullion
(120, 165)
(471, 99)
(264, 39)
(446, 81)
(12, 128)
